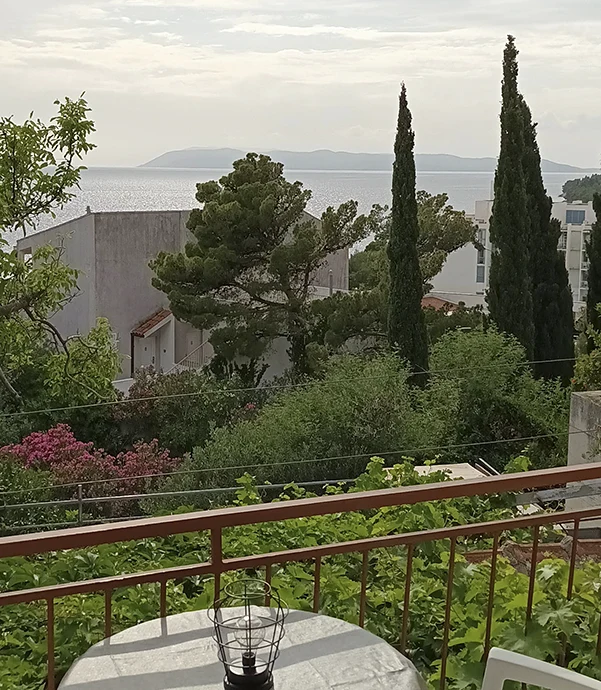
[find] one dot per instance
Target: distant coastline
(338, 161)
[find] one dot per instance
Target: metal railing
(196, 359)
(215, 521)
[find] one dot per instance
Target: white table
(178, 652)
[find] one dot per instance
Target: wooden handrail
(44, 542)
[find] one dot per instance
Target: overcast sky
(304, 74)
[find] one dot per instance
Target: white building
(111, 251)
(465, 275)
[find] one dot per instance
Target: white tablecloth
(178, 653)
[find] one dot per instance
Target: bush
(180, 423)
(64, 460)
(500, 398)
(360, 408)
(19, 485)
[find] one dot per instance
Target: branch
(9, 387)
(16, 305)
(64, 343)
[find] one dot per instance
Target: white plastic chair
(503, 665)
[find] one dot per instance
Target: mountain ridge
(324, 159)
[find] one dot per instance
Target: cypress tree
(406, 324)
(593, 252)
(552, 307)
(509, 295)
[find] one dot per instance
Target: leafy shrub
(19, 485)
(180, 423)
(66, 461)
(500, 398)
(360, 408)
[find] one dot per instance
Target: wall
(584, 446)
(77, 240)
(125, 243)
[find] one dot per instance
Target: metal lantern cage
(249, 626)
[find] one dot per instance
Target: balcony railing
(215, 521)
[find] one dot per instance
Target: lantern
(248, 633)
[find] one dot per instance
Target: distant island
(337, 160)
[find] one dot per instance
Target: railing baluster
(50, 643)
(573, 556)
(447, 617)
(217, 558)
(316, 584)
(163, 599)
(108, 612)
(268, 581)
(533, 564)
(363, 588)
(408, 574)
(491, 594)
(570, 590)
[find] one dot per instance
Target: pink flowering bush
(70, 461)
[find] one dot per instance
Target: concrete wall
(338, 264)
(125, 243)
(77, 240)
(584, 446)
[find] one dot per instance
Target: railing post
(50, 643)
(80, 505)
(217, 558)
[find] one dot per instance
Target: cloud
(144, 22)
(354, 33)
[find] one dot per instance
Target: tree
(552, 306)
(247, 275)
(582, 189)
(38, 172)
(442, 230)
(406, 324)
(38, 163)
(510, 291)
(593, 253)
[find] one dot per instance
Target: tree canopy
(582, 189)
(509, 295)
(442, 230)
(249, 272)
(39, 163)
(406, 324)
(38, 171)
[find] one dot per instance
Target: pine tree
(406, 323)
(593, 252)
(552, 307)
(509, 295)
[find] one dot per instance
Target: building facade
(465, 275)
(112, 251)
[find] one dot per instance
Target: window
(479, 274)
(575, 217)
(584, 279)
(563, 240)
(481, 256)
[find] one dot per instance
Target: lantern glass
(248, 633)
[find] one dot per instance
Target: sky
(304, 74)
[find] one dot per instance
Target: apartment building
(465, 276)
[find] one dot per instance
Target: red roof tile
(438, 303)
(141, 330)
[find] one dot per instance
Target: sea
(156, 189)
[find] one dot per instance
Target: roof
(460, 470)
(150, 323)
(438, 303)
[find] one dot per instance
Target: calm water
(134, 189)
